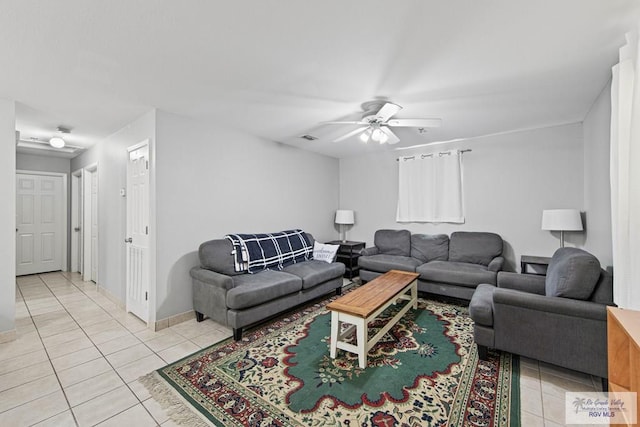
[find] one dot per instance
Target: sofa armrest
(544, 304)
(496, 264)
(369, 251)
(529, 283)
(212, 278)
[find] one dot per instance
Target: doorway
(89, 231)
(41, 222)
(137, 240)
(76, 222)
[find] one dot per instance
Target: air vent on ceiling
(309, 137)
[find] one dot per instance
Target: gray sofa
(239, 300)
(559, 319)
(451, 267)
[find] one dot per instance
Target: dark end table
(541, 262)
(348, 254)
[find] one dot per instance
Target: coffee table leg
(335, 328)
(414, 294)
(361, 336)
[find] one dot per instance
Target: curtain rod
(422, 156)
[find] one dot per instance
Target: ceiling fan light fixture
(56, 142)
(378, 136)
(364, 136)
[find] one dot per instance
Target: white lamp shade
(561, 220)
(344, 217)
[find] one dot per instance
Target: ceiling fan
(375, 125)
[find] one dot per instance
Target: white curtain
(625, 175)
(430, 188)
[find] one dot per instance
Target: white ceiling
(277, 68)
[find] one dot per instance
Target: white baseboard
(160, 324)
(111, 297)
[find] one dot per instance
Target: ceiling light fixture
(56, 142)
(378, 135)
(364, 136)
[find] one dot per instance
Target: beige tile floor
(78, 357)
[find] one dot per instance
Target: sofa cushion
(216, 255)
(426, 247)
(393, 242)
(481, 305)
(458, 273)
(383, 263)
(572, 273)
(254, 289)
(474, 247)
(315, 272)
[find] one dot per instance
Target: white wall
(212, 181)
(33, 162)
(597, 185)
(508, 180)
(194, 169)
(7, 215)
(111, 157)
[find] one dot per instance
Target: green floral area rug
(424, 372)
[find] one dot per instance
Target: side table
(541, 262)
(348, 254)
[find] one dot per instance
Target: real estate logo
(600, 408)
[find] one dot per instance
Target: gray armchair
(559, 319)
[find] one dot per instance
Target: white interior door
(137, 239)
(39, 223)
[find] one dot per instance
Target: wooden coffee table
(364, 304)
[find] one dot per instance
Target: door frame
(87, 251)
(76, 219)
(65, 213)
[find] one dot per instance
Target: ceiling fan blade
(345, 123)
(393, 139)
(387, 111)
(416, 123)
(350, 134)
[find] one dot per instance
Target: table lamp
(561, 220)
(344, 217)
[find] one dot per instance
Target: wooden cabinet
(623, 351)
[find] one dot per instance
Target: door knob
(129, 240)
(76, 229)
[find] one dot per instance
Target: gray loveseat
(447, 266)
(559, 319)
(239, 300)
